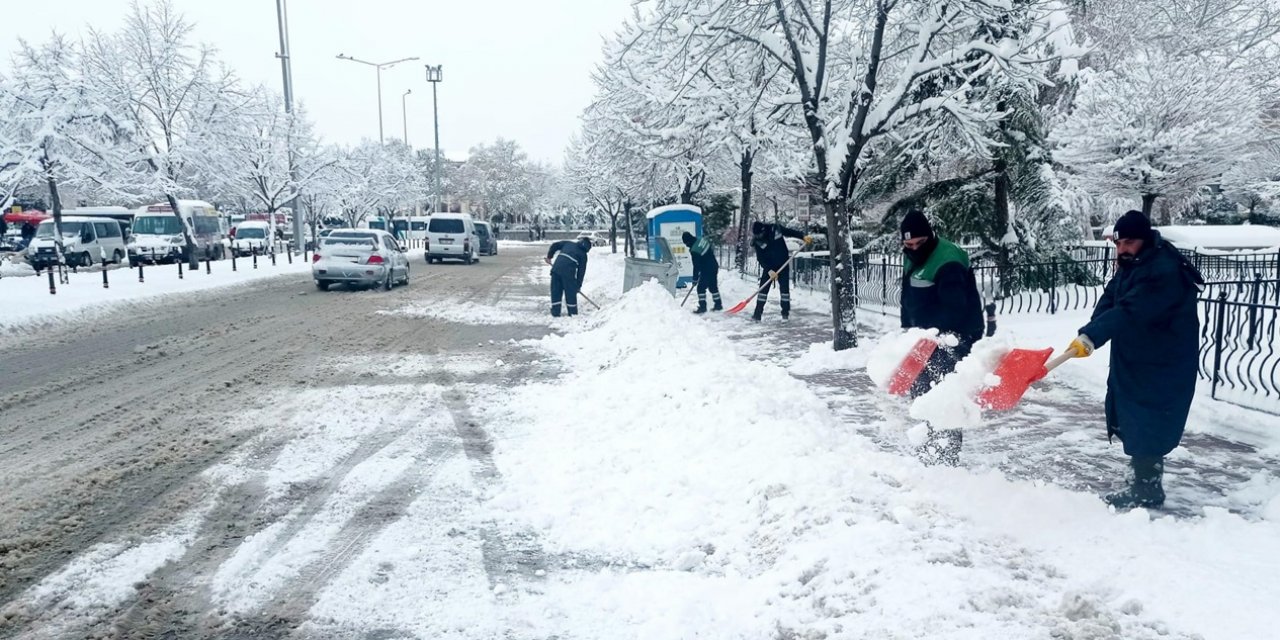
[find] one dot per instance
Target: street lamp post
(379, 66)
(434, 75)
(286, 67)
(404, 113)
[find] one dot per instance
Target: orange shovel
(1017, 371)
(912, 366)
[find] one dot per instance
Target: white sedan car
(361, 258)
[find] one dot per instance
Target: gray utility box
(664, 270)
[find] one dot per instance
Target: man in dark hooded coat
(1148, 314)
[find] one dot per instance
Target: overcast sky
(513, 68)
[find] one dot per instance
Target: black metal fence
(1240, 349)
(1240, 306)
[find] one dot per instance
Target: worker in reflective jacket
(706, 271)
(568, 260)
(939, 291)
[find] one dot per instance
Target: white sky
(519, 69)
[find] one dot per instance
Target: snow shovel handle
(593, 302)
(1053, 364)
(686, 294)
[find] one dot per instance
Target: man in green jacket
(939, 292)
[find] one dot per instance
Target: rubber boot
(1145, 489)
(702, 307)
(759, 313)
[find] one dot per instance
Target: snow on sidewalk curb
(29, 306)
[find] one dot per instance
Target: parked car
(360, 257)
(488, 242)
(597, 238)
(85, 241)
(251, 236)
(452, 236)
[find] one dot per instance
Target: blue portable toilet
(671, 222)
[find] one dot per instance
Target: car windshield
(157, 226)
(251, 233)
(69, 229)
(482, 230)
(446, 225)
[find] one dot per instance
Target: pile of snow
(1215, 236)
(680, 469)
(821, 358)
(85, 297)
(11, 269)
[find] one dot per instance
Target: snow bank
(11, 269)
(85, 298)
(681, 470)
(821, 358)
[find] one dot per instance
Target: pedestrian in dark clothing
(568, 260)
(772, 253)
(706, 271)
(28, 232)
(1148, 314)
(4, 227)
(530, 234)
(939, 291)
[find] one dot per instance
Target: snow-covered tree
(873, 76)
(1157, 126)
(171, 96)
(58, 132)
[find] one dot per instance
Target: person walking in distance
(772, 254)
(939, 291)
(568, 260)
(706, 271)
(1148, 314)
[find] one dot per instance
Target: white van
(85, 241)
(252, 236)
(418, 227)
(452, 236)
(157, 233)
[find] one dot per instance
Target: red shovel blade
(741, 305)
(1017, 370)
(912, 365)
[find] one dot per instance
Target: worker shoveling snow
(958, 400)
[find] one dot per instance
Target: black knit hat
(757, 228)
(915, 225)
(688, 239)
(1133, 225)
(584, 244)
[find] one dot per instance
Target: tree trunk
(631, 237)
(1148, 202)
(613, 230)
(745, 166)
(55, 203)
(1002, 218)
(193, 261)
(844, 318)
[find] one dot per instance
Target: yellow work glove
(773, 275)
(808, 240)
(1081, 347)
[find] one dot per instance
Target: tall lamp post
(286, 68)
(379, 66)
(404, 113)
(434, 75)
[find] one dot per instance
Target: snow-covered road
(446, 461)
